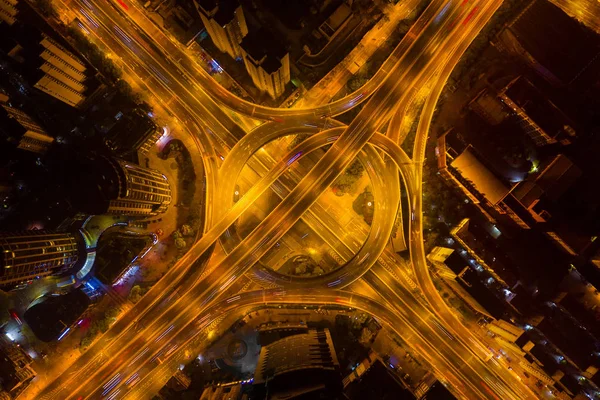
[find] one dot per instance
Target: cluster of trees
(306, 266)
(105, 65)
(136, 293)
(360, 205)
(345, 182)
(443, 206)
(46, 8)
(194, 219)
(352, 338)
(187, 175)
(115, 252)
(180, 234)
(472, 57)
(95, 56)
(99, 325)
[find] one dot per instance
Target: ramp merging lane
(168, 316)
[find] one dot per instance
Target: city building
(103, 185)
(555, 45)
(16, 372)
(476, 180)
(449, 264)
(375, 381)
(33, 254)
(227, 391)
(178, 382)
(539, 118)
(299, 365)
(225, 24)
(505, 330)
(267, 61)
(439, 254)
(535, 202)
(180, 16)
(338, 19)
(21, 131)
(544, 361)
(132, 133)
(51, 317)
(8, 11)
(47, 64)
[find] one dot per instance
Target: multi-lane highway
(165, 313)
(585, 11)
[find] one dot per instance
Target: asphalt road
(165, 316)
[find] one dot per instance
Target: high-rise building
(45, 63)
(64, 73)
(32, 254)
(225, 24)
(113, 186)
(20, 130)
(540, 119)
(8, 11)
(267, 61)
(133, 132)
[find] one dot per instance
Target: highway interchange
(181, 309)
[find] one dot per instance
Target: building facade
(539, 118)
(64, 73)
(8, 11)
(22, 131)
(132, 133)
(267, 62)
(143, 191)
(32, 254)
(225, 24)
(15, 368)
(114, 186)
(45, 64)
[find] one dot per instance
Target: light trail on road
(411, 62)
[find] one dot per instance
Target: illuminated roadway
(585, 11)
(405, 72)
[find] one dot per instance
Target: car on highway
(236, 194)
(14, 315)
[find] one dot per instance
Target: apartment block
(33, 254)
(225, 23)
(21, 131)
(113, 186)
(8, 11)
(267, 61)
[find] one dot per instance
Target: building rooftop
(552, 182)
(380, 383)
(50, 316)
(265, 49)
(313, 350)
(130, 132)
(537, 106)
(15, 371)
(483, 179)
(557, 41)
(225, 9)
